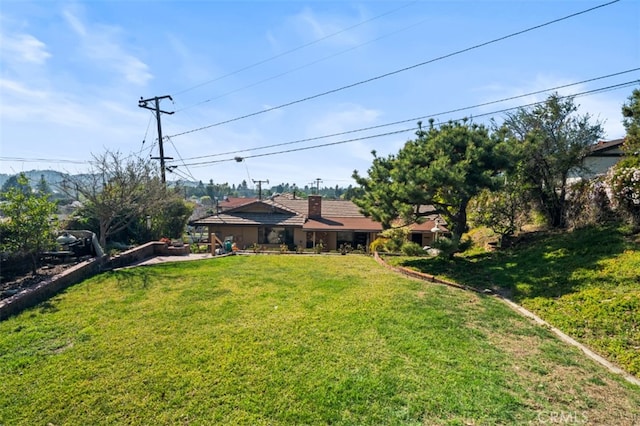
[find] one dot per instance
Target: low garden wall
(32, 296)
(49, 288)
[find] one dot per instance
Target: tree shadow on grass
(48, 306)
(133, 278)
(537, 265)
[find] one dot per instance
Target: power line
(414, 119)
(36, 160)
(170, 168)
(603, 89)
(146, 132)
(295, 49)
(308, 64)
(586, 93)
(439, 58)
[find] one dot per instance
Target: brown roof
(249, 219)
(337, 215)
(602, 146)
(357, 224)
(233, 202)
(330, 208)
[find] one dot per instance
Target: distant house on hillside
(299, 222)
(602, 156)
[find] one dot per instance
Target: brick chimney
(315, 206)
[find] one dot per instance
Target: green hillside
(585, 282)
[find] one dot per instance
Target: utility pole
(260, 182)
(142, 103)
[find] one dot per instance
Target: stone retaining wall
(49, 288)
(80, 272)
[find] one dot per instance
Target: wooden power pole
(142, 103)
(260, 182)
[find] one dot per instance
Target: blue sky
(71, 75)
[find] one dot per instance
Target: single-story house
(304, 222)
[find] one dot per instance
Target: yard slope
(290, 340)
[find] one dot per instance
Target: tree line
(218, 191)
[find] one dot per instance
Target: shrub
(410, 248)
(379, 245)
(448, 247)
(395, 238)
(588, 203)
(623, 191)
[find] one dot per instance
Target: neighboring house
(299, 222)
(225, 203)
(603, 156)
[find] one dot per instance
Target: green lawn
(284, 340)
(587, 283)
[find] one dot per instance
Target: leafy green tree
(43, 186)
(171, 217)
(211, 189)
(118, 192)
(439, 172)
(200, 190)
(631, 121)
(377, 197)
(16, 182)
(31, 221)
(503, 211)
(553, 140)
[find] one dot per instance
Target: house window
(345, 238)
(275, 235)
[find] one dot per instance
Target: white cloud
(75, 23)
(10, 87)
(23, 48)
(101, 43)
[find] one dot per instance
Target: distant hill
(53, 178)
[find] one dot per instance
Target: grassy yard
(587, 283)
(284, 340)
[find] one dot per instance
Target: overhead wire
(589, 92)
(295, 49)
(388, 74)
(414, 119)
(586, 93)
(308, 64)
(180, 157)
(37, 160)
(146, 132)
